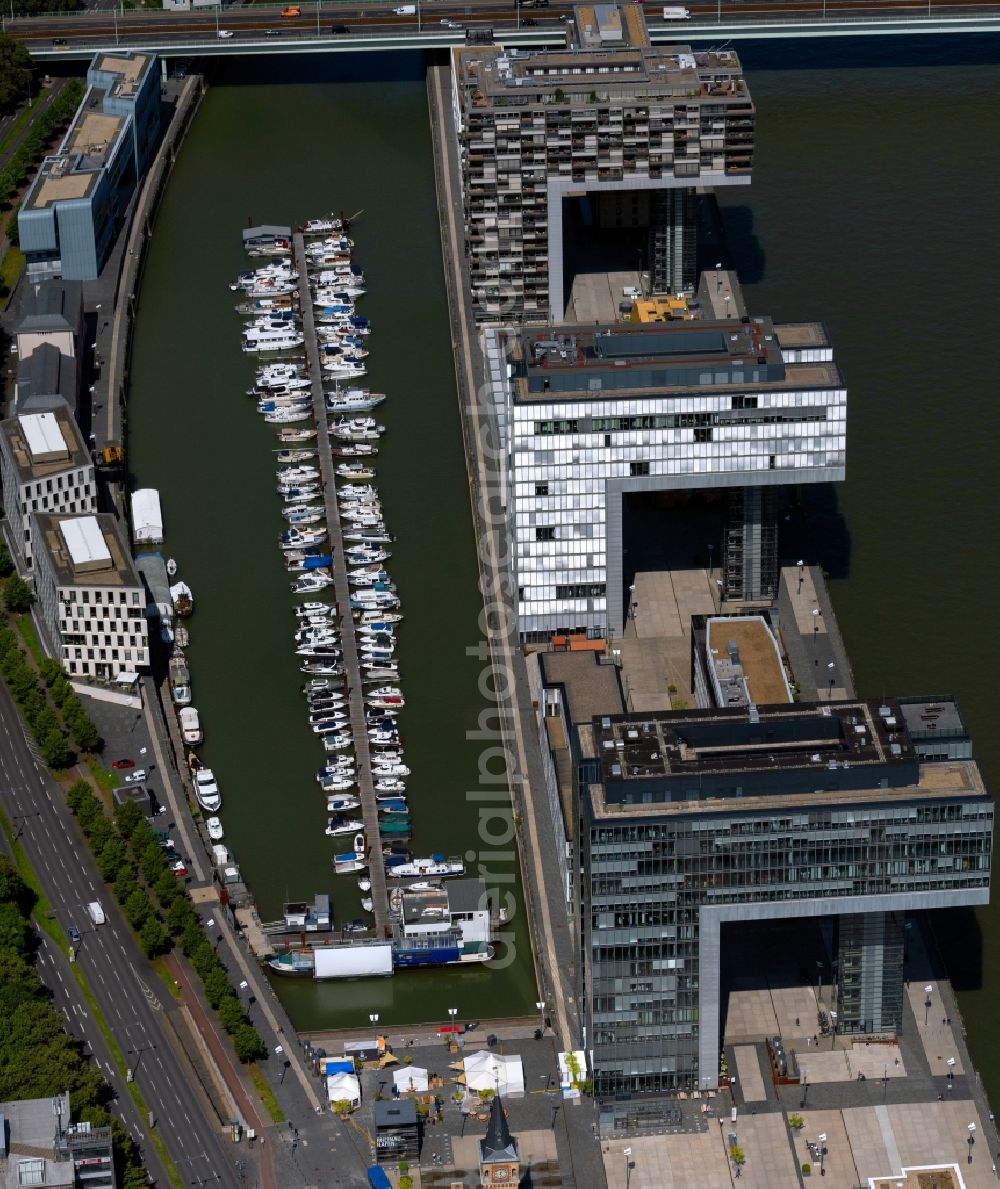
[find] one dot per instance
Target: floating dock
(348, 636)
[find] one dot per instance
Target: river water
(872, 209)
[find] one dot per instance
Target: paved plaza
(861, 1142)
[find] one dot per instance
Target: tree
(231, 1014)
(167, 888)
(15, 80)
(737, 1155)
(16, 933)
(180, 914)
(111, 859)
(55, 750)
(127, 816)
(79, 794)
(13, 889)
(343, 1108)
(796, 1122)
(138, 908)
(17, 594)
(153, 937)
(50, 670)
(85, 734)
(6, 565)
(248, 1044)
(217, 986)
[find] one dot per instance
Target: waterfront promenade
(348, 637)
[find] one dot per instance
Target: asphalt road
(94, 24)
(125, 987)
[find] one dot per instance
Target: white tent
(341, 1086)
(408, 1078)
(490, 1071)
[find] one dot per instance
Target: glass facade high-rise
(695, 819)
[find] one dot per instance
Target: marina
(346, 646)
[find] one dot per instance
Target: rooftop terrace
(43, 444)
(77, 560)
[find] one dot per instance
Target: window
(744, 402)
(582, 590)
(545, 533)
(703, 435)
(541, 489)
(639, 468)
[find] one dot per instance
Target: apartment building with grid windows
(694, 820)
(590, 415)
(45, 467)
(92, 601)
(608, 115)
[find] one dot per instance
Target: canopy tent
(491, 1071)
(344, 1086)
(408, 1078)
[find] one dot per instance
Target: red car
(178, 868)
(121, 764)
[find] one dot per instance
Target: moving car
(292, 10)
(224, 34)
(74, 934)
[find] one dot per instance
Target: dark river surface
(873, 209)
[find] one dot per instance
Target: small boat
(206, 790)
(264, 305)
(342, 804)
(180, 679)
(297, 495)
(182, 599)
(191, 731)
(288, 417)
(354, 401)
(293, 456)
(321, 226)
(311, 582)
(389, 787)
(437, 866)
(355, 470)
(292, 538)
(171, 567)
(296, 435)
(336, 827)
(355, 450)
(319, 668)
(382, 768)
(214, 827)
(348, 863)
(298, 963)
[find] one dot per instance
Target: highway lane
(98, 23)
(124, 985)
(57, 974)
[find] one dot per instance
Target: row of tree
(127, 850)
(34, 146)
(38, 1058)
(40, 705)
(16, 74)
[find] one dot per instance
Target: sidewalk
(206, 1025)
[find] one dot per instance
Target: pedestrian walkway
(934, 1029)
(748, 1072)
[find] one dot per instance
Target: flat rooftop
(58, 182)
(572, 362)
(43, 444)
(613, 58)
(79, 558)
(590, 689)
(744, 654)
(128, 67)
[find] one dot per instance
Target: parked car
(123, 764)
(136, 777)
(178, 868)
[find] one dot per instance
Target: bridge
(337, 26)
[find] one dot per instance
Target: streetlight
(822, 1153)
(540, 1007)
(805, 1089)
(452, 1012)
(971, 1139)
(137, 1053)
(830, 668)
(885, 1080)
(627, 1152)
(815, 636)
(819, 981)
(373, 1017)
(927, 1002)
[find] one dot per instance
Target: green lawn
(27, 632)
(266, 1093)
(11, 268)
(107, 779)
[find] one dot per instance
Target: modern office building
(45, 467)
(78, 199)
(695, 820)
(92, 601)
(592, 415)
(632, 128)
(40, 1146)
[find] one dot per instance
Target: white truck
(96, 912)
(676, 14)
(405, 10)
